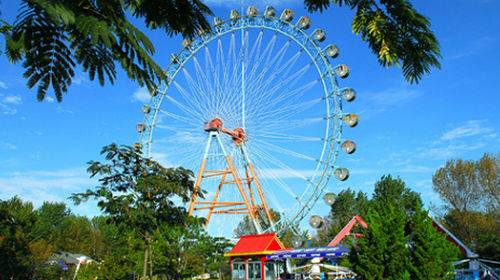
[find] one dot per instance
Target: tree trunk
(145, 266)
(150, 261)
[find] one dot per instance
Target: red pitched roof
(259, 244)
(346, 230)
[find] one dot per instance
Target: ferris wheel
(254, 108)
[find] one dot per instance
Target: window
(242, 271)
(257, 271)
(250, 271)
(235, 273)
(270, 271)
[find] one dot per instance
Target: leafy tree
(187, 251)
(139, 192)
(483, 230)
(52, 37)
(75, 235)
(457, 186)
(471, 193)
(50, 217)
(17, 219)
(488, 169)
(488, 243)
(394, 31)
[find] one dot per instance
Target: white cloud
(41, 186)
(380, 102)
(449, 151)
(161, 158)
(49, 99)
(12, 99)
(471, 128)
(426, 183)
(392, 97)
(61, 109)
(7, 110)
(470, 136)
(3, 85)
(141, 95)
(415, 169)
(7, 104)
(79, 80)
(473, 47)
(7, 146)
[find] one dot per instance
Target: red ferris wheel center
(238, 134)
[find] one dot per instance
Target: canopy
(311, 252)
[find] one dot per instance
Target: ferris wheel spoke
(270, 172)
(197, 82)
(211, 70)
(279, 69)
(220, 67)
(285, 101)
(196, 95)
(183, 119)
(283, 136)
(273, 125)
(285, 151)
(290, 81)
(285, 171)
(273, 65)
(255, 53)
(280, 118)
(267, 56)
(183, 156)
(192, 101)
(202, 76)
(287, 94)
(231, 56)
(184, 108)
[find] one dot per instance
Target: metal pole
(242, 72)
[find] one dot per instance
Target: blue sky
(404, 130)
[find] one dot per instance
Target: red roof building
(256, 245)
(252, 249)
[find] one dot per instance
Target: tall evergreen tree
(382, 252)
(400, 241)
(431, 254)
(394, 192)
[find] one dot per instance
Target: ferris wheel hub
(213, 125)
(237, 135)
